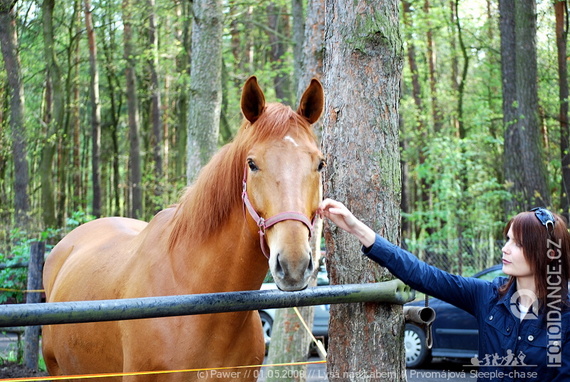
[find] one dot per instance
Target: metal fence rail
(394, 292)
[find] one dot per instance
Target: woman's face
(514, 262)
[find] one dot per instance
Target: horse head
(282, 180)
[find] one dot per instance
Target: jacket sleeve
(462, 292)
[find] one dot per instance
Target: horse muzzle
(292, 276)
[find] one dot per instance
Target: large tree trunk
(561, 13)
(95, 112)
(362, 66)
(9, 46)
(205, 84)
(135, 174)
(525, 172)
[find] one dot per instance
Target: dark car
(455, 333)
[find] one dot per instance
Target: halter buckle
(261, 225)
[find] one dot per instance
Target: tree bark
(278, 30)
(436, 109)
(205, 84)
(76, 187)
(183, 33)
(9, 46)
(525, 172)
(362, 66)
(311, 60)
(95, 112)
(156, 136)
(114, 112)
(155, 111)
(298, 36)
(561, 14)
(54, 115)
(135, 175)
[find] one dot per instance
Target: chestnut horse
(267, 180)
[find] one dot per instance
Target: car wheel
(267, 324)
(417, 352)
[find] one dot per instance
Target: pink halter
(264, 224)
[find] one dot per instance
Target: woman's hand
(343, 218)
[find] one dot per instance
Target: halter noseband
(264, 224)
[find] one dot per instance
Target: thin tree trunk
(205, 84)
(362, 66)
(183, 33)
(155, 110)
(436, 110)
(156, 137)
(54, 115)
(278, 28)
(135, 174)
(9, 46)
(421, 122)
(95, 112)
(454, 22)
(116, 102)
(78, 193)
(561, 13)
(311, 60)
(298, 37)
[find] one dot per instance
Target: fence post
(32, 333)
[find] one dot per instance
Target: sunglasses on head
(544, 216)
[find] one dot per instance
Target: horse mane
(208, 202)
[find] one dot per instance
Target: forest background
(106, 87)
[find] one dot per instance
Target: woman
(523, 320)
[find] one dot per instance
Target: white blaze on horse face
(290, 259)
(288, 138)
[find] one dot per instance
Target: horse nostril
(310, 266)
(278, 268)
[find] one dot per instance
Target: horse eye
(252, 165)
(322, 165)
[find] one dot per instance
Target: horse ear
(252, 100)
(312, 102)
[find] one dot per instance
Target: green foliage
(14, 279)
(18, 254)
(455, 182)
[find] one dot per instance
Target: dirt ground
(13, 370)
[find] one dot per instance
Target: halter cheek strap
(264, 224)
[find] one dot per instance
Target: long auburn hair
(548, 257)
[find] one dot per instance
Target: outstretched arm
(456, 290)
(343, 218)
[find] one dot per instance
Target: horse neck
(228, 260)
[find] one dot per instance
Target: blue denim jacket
(510, 349)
